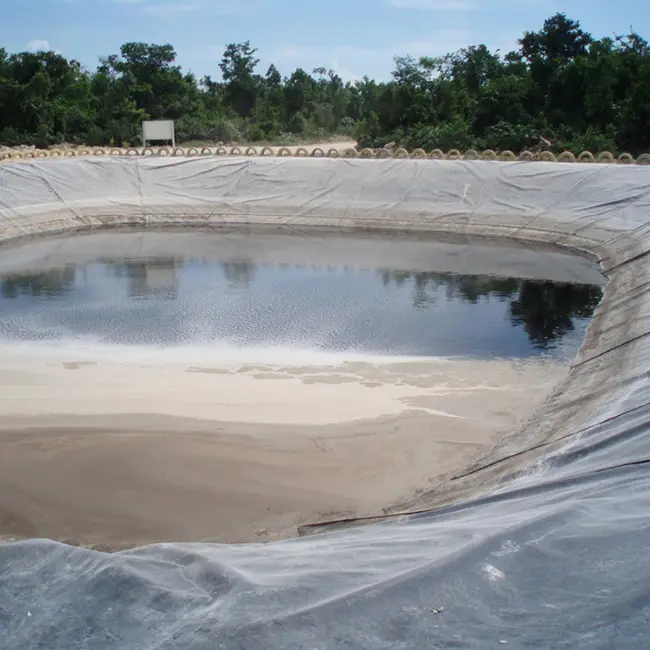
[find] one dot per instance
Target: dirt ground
(114, 455)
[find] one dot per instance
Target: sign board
(154, 130)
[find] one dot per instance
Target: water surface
(174, 297)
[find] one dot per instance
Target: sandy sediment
(96, 452)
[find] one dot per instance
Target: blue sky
(355, 37)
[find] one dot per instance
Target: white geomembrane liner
(575, 517)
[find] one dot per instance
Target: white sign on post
(155, 130)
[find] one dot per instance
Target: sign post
(158, 130)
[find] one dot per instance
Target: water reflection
(239, 274)
(546, 311)
(468, 288)
(149, 278)
(54, 282)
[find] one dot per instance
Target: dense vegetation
(561, 83)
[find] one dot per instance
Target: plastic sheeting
(553, 550)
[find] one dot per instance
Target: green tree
(560, 83)
(242, 86)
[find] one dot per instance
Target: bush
(505, 136)
(368, 131)
(43, 137)
(445, 136)
(298, 124)
(347, 127)
(255, 133)
(9, 137)
(590, 140)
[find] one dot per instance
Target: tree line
(561, 83)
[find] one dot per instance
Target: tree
(561, 39)
(157, 87)
(241, 85)
(577, 91)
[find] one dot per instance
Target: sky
(353, 37)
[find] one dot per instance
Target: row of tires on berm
(436, 154)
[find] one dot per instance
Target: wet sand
(113, 455)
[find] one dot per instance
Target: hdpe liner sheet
(546, 546)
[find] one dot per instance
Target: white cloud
(434, 5)
(164, 8)
(38, 45)
(442, 42)
(352, 62)
(170, 8)
(344, 73)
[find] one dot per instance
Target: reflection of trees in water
(467, 287)
(544, 309)
(154, 278)
(148, 277)
(239, 274)
(54, 282)
(119, 268)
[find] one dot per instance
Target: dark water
(175, 301)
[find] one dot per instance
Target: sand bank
(98, 452)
